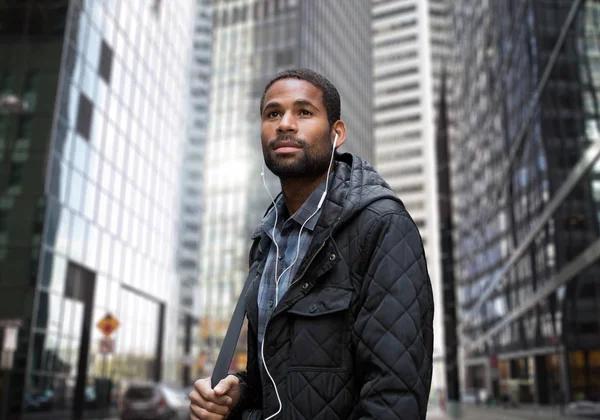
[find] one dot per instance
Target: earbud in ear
(335, 140)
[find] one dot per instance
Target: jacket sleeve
(394, 324)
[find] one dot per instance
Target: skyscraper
(253, 39)
(525, 143)
(188, 255)
(89, 193)
(410, 45)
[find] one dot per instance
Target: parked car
(587, 409)
(153, 402)
(469, 396)
(39, 400)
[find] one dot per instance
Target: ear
(338, 128)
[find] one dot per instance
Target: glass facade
(188, 255)
(90, 193)
(525, 142)
(253, 39)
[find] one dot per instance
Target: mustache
(287, 138)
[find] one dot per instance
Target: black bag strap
(231, 338)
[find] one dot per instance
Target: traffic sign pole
(107, 325)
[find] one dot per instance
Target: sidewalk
(436, 414)
(525, 412)
(472, 412)
(111, 414)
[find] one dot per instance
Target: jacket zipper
(268, 321)
(308, 265)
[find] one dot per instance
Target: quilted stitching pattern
(319, 346)
(389, 325)
(310, 397)
(373, 359)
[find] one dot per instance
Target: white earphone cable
(304, 224)
(277, 278)
(262, 173)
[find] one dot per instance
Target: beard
(312, 162)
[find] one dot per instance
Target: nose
(287, 124)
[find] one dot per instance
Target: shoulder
(379, 227)
(382, 214)
(381, 205)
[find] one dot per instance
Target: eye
(273, 114)
(305, 112)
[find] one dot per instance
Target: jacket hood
(355, 185)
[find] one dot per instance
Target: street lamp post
(9, 346)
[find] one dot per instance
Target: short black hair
(331, 96)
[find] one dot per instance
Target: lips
(286, 146)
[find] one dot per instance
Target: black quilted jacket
(353, 336)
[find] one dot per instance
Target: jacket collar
(354, 185)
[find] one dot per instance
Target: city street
(415, 208)
(497, 413)
(469, 413)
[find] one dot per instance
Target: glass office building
(525, 139)
(188, 255)
(410, 46)
(90, 166)
(253, 39)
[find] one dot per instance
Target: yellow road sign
(108, 324)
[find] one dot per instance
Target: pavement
(436, 414)
(471, 412)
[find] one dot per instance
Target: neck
(297, 190)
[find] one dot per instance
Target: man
(340, 308)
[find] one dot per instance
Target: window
(399, 89)
(16, 173)
(410, 153)
(402, 170)
(3, 130)
(392, 75)
(409, 189)
(24, 129)
(105, 65)
(396, 26)
(79, 284)
(398, 104)
(397, 10)
(400, 120)
(397, 41)
(3, 220)
(32, 83)
(398, 57)
(7, 82)
(84, 116)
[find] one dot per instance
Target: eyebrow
(299, 102)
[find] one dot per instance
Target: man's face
(295, 132)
